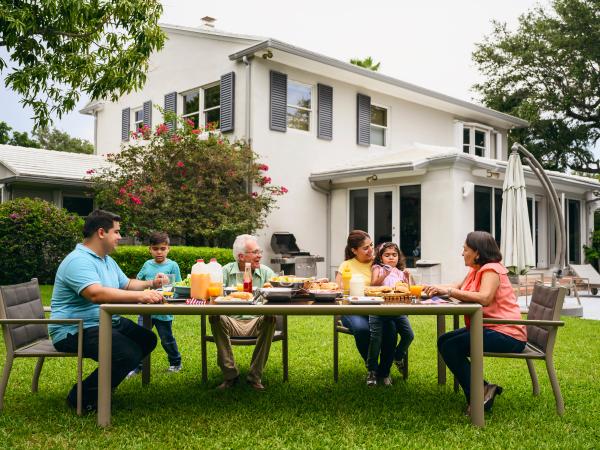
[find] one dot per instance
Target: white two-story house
(355, 148)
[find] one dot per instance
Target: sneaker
(386, 381)
(174, 368)
(131, 374)
(228, 384)
(372, 378)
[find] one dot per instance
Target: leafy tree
(22, 139)
(548, 72)
(189, 182)
(61, 141)
(5, 130)
(63, 48)
(366, 63)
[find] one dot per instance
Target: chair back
(22, 301)
(546, 304)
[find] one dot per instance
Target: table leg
(147, 323)
(456, 324)
(104, 368)
(476, 332)
(441, 329)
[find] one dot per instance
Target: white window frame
(310, 110)
(384, 128)
(141, 122)
(193, 113)
(472, 127)
(201, 103)
(201, 110)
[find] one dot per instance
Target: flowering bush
(190, 182)
(35, 236)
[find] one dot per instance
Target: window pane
(383, 217)
(410, 223)
(359, 210)
(299, 94)
(379, 116)
(139, 115)
(194, 118)
(213, 117)
(498, 215)
(298, 118)
(377, 136)
(466, 149)
(466, 136)
(479, 151)
(483, 208)
(190, 103)
(212, 97)
(574, 232)
(479, 138)
(79, 205)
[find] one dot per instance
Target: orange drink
(239, 287)
(416, 290)
(215, 289)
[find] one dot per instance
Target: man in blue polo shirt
(86, 278)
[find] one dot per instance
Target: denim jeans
(130, 344)
(401, 325)
(359, 326)
(454, 347)
(167, 340)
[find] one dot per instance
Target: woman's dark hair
(483, 243)
(381, 250)
(158, 237)
(99, 219)
(355, 240)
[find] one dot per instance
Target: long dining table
(328, 309)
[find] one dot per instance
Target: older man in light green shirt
(245, 250)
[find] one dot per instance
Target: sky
(426, 42)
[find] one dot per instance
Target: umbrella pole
(538, 170)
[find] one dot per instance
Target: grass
(311, 411)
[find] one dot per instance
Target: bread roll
(241, 295)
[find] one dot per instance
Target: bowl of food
(277, 293)
(288, 282)
(325, 295)
(182, 291)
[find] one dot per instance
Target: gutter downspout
(247, 62)
(327, 193)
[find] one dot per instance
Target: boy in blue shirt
(159, 249)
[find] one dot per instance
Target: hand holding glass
(168, 281)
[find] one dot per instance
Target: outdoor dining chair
(281, 334)
(338, 328)
(25, 331)
(542, 326)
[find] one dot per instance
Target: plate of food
(288, 281)
(362, 300)
(325, 295)
(236, 298)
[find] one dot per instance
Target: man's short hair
(99, 219)
(158, 237)
(239, 245)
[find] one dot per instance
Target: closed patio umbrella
(516, 244)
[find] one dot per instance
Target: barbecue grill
(290, 258)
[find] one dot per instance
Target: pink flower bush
(263, 167)
(180, 164)
(264, 181)
(161, 129)
(90, 171)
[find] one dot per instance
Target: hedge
(131, 257)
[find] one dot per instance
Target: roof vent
(208, 22)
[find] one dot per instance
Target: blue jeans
(454, 347)
(401, 325)
(167, 340)
(359, 326)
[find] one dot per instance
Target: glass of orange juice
(416, 290)
(215, 289)
(239, 281)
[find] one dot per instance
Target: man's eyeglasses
(255, 252)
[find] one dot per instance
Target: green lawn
(311, 411)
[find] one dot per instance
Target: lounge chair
(587, 275)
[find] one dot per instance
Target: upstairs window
(475, 141)
(191, 107)
(299, 105)
(379, 121)
(138, 119)
(212, 106)
(203, 106)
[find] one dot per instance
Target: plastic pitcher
(215, 271)
(200, 280)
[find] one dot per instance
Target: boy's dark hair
(381, 250)
(158, 237)
(485, 244)
(97, 219)
(355, 240)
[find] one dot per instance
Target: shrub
(592, 254)
(131, 257)
(35, 236)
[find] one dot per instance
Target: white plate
(365, 300)
(234, 301)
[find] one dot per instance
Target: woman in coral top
(486, 283)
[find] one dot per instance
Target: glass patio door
(383, 215)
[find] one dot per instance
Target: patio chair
(586, 274)
(338, 328)
(281, 334)
(542, 325)
(25, 331)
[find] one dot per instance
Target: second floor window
(474, 141)
(138, 119)
(191, 107)
(212, 106)
(299, 104)
(379, 123)
(205, 100)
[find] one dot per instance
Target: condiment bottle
(346, 276)
(248, 278)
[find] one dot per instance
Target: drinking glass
(239, 281)
(168, 285)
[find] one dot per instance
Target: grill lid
(285, 243)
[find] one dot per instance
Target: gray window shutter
(324, 112)
(125, 116)
(148, 113)
(363, 119)
(171, 106)
(278, 103)
(227, 112)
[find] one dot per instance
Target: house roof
(287, 53)
(47, 166)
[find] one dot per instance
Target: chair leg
(405, 368)
(203, 348)
(534, 378)
(284, 350)
(335, 350)
(36, 374)
(560, 405)
(5, 375)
